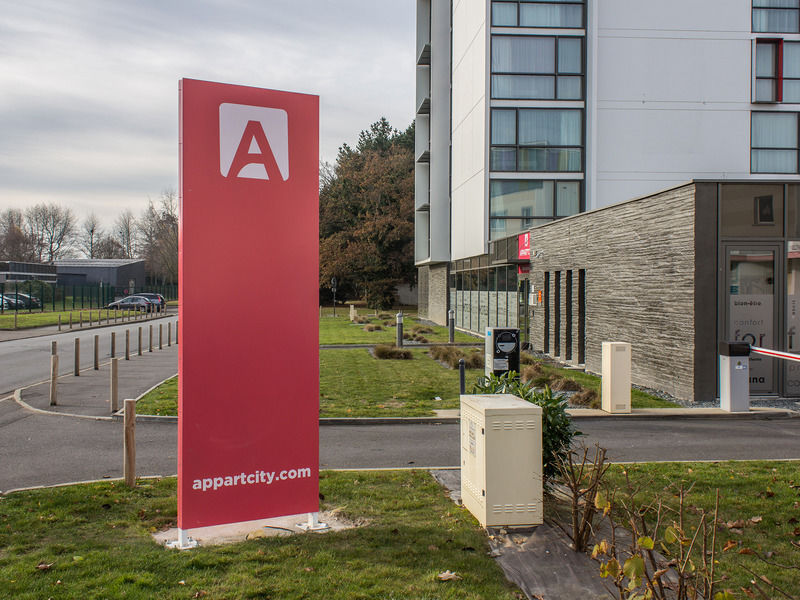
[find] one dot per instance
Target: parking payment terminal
(502, 350)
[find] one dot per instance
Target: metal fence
(41, 296)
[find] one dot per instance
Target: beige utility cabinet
(615, 390)
(501, 459)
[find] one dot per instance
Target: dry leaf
(43, 566)
(181, 582)
(728, 545)
(738, 524)
(755, 520)
(432, 548)
(448, 576)
(200, 594)
(746, 551)
(308, 569)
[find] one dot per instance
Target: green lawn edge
(94, 541)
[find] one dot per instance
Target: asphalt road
(26, 361)
(46, 450)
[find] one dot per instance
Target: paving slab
(88, 395)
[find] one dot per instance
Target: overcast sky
(89, 88)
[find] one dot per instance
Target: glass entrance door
(523, 310)
(752, 308)
(792, 369)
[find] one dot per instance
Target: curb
(33, 330)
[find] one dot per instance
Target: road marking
(11, 397)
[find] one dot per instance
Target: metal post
(127, 344)
(399, 318)
(70, 319)
(129, 466)
(451, 323)
(114, 385)
(150, 347)
(113, 344)
(97, 353)
(176, 333)
(140, 341)
(77, 357)
(462, 376)
(53, 379)
(160, 336)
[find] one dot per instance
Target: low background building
(126, 274)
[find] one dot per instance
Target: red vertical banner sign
(248, 407)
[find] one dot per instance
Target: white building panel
(706, 16)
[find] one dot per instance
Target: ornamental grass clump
(387, 352)
(373, 327)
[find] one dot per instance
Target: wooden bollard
(59, 322)
(70, 319)
(77, 357)
(169, 334)
(53, 348)
(115, 315)
(140, 341)
(53, 379)
(150, 347)
(90, 318)
(96, 352)
(160, 336)
(129, 466)
(114, 392)
(80, 319)
(108, 316)
(113, 344)
(127, 344)
(176, 332)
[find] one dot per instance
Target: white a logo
(253, 142)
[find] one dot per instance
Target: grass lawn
(639, 399)
(763, 496)
(40, 319)
(340, 330)
(93, 541)
(354, 384)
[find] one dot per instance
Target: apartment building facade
(531, 111)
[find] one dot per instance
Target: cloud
(89, 108)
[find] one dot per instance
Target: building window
(777, 77)
(774, 142)
(537, 139)
(776, 16)
(537, 67)
(548, 13)
(517, 205)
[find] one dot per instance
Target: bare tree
(107, 247)
(125, 233)
(52, 228)
(89, 236)
(14, 243)
(158, 236)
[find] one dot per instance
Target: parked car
(132, 303)
(11, 303)
(157, 299)
(24, 300)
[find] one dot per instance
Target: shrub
(361, 320)
(474, 360)
(386, 352)
(384, 316)
(527, 359)
(373, 327)
(557, 427)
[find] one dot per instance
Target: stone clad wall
(422, 292)
(639, 258)
(438, 294)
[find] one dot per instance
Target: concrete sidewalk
(88, 395)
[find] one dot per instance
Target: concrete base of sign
(313, 523)
(232, 533)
